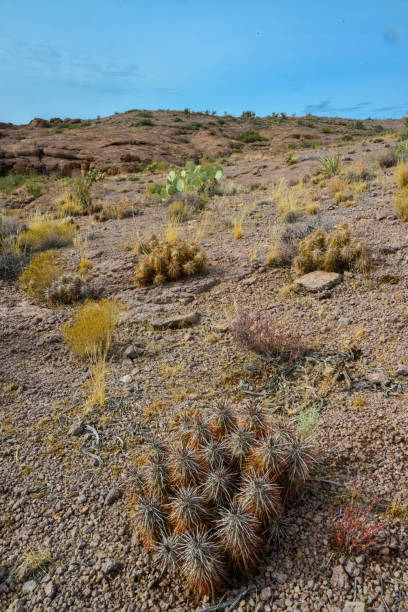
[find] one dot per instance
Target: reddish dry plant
(257, 332)
(351, 530)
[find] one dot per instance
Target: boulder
(319, 280)
(38, 122)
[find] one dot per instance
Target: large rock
(177, 321)
(319, 280)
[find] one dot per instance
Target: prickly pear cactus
(192, 177)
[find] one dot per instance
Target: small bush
(251, 136)
(77, 200)
(45, 233)
(257, 332)
(90, 333)
(221, 486)
(39, 275)
(402, 175)
(401, 203)
(335, 251)
(143, 123)
(169, 260)
(351, 531)
(11, 264)
(330, 164)
(387, 160)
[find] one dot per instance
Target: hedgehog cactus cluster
(165, 261)
(333, 251)
(212, 499)
(67, 289)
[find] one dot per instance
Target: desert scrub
(25, 184)
(44, 233)
(333, 251)
(257, 332)
(330, 164)
(251, 136)
(402, 175)
(167, 260)
(90, 333)
(77, 200)
(118, 209)
(401, 203)
(40, 274)
(208, 500)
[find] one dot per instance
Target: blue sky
(85, 58)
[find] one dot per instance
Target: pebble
(110, 566)
(113, 495)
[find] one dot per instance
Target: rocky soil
(56, 497)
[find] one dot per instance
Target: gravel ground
(52, 495)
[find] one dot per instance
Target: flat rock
(110, 566)
(354, 606)
(378, 378)
(402, 369)
(319, 280)
(176, 322)
(339, 577)
(29, 586)
(204, 285)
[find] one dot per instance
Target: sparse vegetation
(207, 512)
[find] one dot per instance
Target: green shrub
(251, 136)
(330, 164)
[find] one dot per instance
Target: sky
(85, 58)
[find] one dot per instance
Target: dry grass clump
(32, 561)
(209, 514)
(168, 260)
(289, 201)
(402, 175)
(401, 203)
(43, 270)
(77, 201)
(91, 330)
(117, 209)
(44, 233)
(257, 332)
(333, 251)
